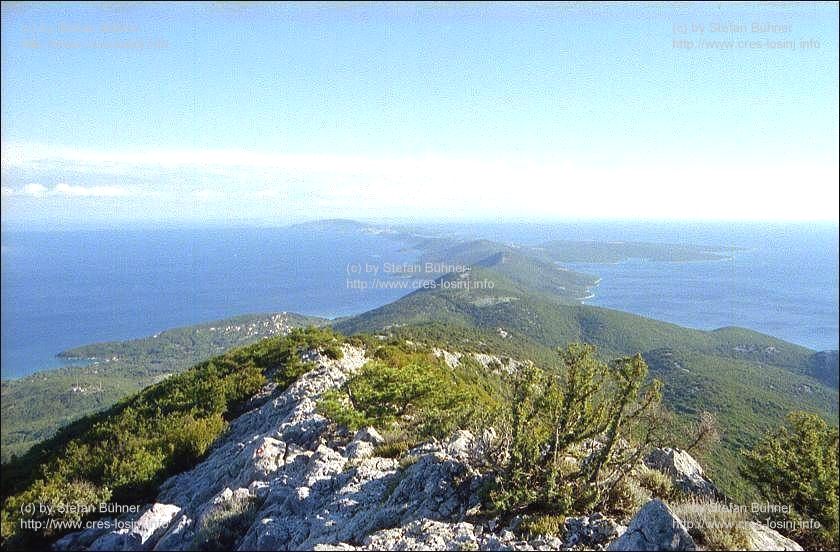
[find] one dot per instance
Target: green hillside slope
(750, 380)
(34, 407)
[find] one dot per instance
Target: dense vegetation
(35, 407)
(568, 438)
(562, 438)
(572, 435)
(124, 453)
(748, 380)
(823, 366)
(523, 270)
(796, 466)
(412, 395)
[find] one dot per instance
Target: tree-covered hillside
(749, 380)
(516, 264)
(34, 407)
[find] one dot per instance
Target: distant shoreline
(317, 294)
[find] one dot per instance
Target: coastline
(343, 306)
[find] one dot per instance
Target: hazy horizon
(159, 225)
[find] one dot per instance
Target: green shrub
(552, 414)
(797, 466)
(385, 392)
(76, 495)
(321, 339)
(625, 498)
(393, 449)
(407, 461)
(411, 392)
(280, 357)
(335, 405)
(542, 525)
(292, 368)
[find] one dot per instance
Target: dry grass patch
(714, 525)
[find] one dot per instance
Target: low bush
(572, 435)
(221, 528)
(544, 525)
(797, 466)
(413, 393)
(393, 449)
(624, 499)
(659, 484)
(123, 454)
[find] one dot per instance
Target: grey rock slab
(654, 527)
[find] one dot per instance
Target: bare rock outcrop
(279, 480)
(654, 527)
(762, 537)
(684, 470)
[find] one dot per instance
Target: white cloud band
(62, 189)
(425, 185)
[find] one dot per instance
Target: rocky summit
(283, 478)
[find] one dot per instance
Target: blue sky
(119, 113)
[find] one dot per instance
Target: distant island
(613, 252)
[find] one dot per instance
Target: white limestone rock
(683, 469)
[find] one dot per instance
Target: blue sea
(65, 289)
